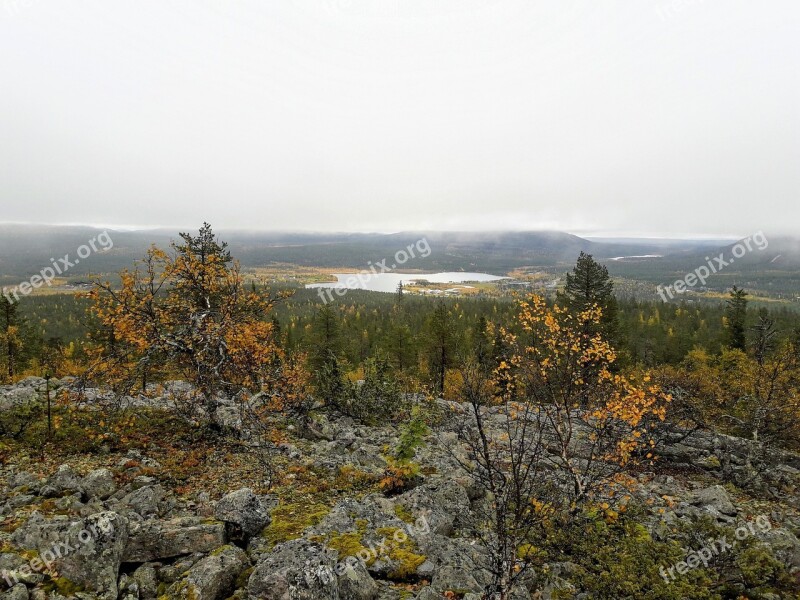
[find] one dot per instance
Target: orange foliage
(186, 313)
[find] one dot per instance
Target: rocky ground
(116, 523)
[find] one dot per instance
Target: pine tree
(482, 342)
(589, 286)
(187, 311)
(735, 317)
(500, 358)
(329, 381)
(326, 335)
(441, 342)
(327, 374)
(400, 342)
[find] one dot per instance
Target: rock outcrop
(121, 531)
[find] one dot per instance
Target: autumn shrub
(753, 395)
(351, 479)
(599, 419)
(618, 558)
(16, 420)
(399, 476)
(551, 427)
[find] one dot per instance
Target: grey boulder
(296, 570)
(714, 499)
(99, 484)
(87, 552)
(244, 514)
(64, 481)
(212, 578)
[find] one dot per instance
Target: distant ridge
(24, 249)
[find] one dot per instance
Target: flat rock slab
(155, 540)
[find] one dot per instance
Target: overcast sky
(632, 117)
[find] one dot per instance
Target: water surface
(387, 282)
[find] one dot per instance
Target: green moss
(348, 544)
(220, 550)
(183, 590)
(351, 543)
(290, 520)
(402, 552)
(639, 533)
(63, 586)
(243, 578)
(403, 513)
(409, 563)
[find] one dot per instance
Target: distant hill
(771, 269)
(26, 249)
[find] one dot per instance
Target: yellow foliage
(568, 372)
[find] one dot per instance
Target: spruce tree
(10, 330)
(590, 284)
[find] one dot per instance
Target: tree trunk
(442, 370)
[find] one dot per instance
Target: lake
(637, 257)
(387, 282)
